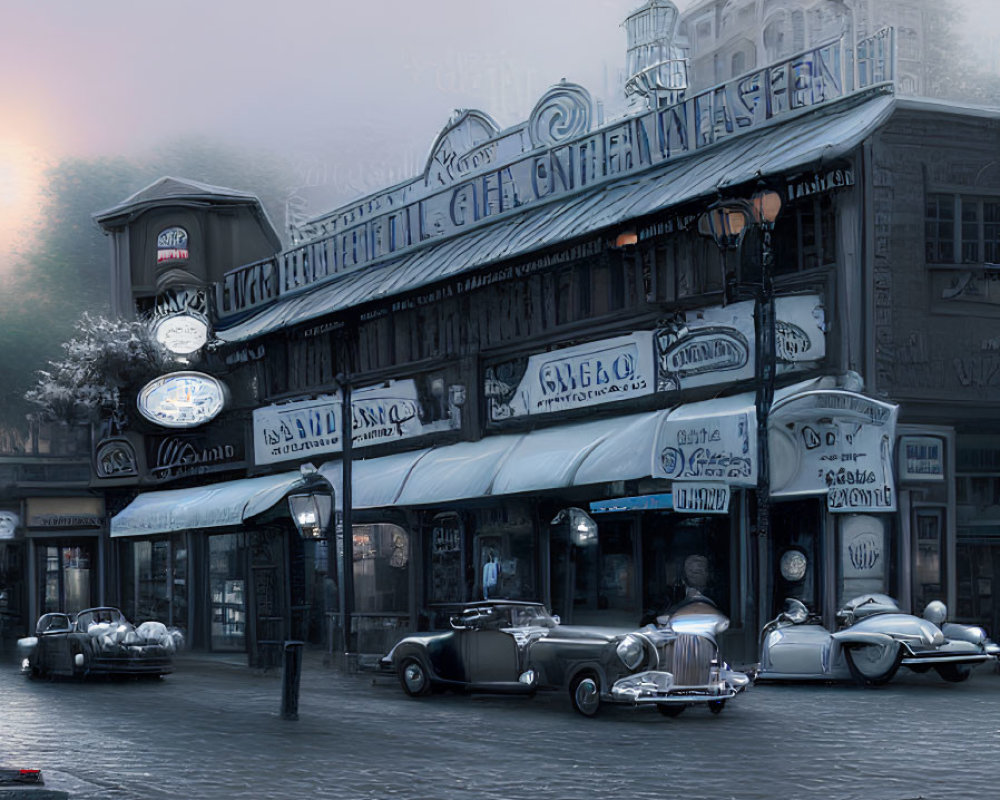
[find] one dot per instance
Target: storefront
(223, 562)
(66, 557)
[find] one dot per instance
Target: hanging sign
(708, 441)
(181, 334)
(701, 498)
(834, 442)
(182, 399)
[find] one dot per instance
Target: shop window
(682, 552)
(227, 586)
(962, 229)
(154, 581)
(446, 575)
(503, 553)
(381, 569)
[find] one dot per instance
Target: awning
(212, 506)
(375, 482)
(617, 448)
(827, 133)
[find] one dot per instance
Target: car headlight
(631, 651)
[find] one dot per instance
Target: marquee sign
(575, 377)
(182, 399)
(476, 174)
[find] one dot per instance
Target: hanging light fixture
(311, 508)
(582, 528)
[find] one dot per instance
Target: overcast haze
(353, 93)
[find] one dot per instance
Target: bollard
(291, 674)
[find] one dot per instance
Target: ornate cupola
(655, 61)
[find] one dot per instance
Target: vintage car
(97, 641)
(517, 647)
(875, 638)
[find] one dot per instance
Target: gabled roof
(183, 192)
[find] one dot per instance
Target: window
(939, 228)
(962, 229)
(381, 568)
(739, 63)
(805, 235)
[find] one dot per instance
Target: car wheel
(670, 709)
(873, 664)
(413, 677)
(585, 694)
(716, 706)
(954, 673)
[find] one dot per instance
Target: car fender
(849, 637)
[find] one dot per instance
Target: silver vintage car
(874, 640)
(509, 646)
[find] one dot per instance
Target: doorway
(67, 577)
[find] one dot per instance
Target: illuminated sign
(182, 399)
(181, 334)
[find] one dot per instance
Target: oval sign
(181, 334)
(182, 399)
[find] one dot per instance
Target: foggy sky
(343, 88)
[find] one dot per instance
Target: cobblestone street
(213, 730)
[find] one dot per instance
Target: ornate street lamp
(727, 221)
(311, 512)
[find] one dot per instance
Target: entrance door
(602, 577)
(66, 578)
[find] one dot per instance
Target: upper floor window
(805, 235)
(962, 229)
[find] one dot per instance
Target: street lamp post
(727, 222)
(347, 581)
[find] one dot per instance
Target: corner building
(554, 371)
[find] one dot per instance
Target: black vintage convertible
(517, 647)
(97, 641)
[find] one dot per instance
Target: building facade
(557, 372)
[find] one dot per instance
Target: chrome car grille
(692, 660)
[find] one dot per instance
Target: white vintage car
(874, 640)
(97, 641)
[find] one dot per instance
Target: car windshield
(531, 616)
(111, 616)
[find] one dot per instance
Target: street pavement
(213, 731)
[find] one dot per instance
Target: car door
(490, 653)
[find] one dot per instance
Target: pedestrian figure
(491, 576)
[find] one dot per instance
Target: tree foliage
(65, 270)
(103, 358)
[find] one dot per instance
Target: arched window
(739, 63)
(777, 41)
